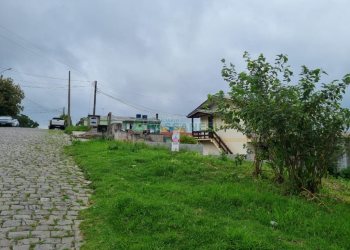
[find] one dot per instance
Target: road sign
(175, 145)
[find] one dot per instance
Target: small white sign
(175, 145)
(94, 121)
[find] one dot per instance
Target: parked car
(16, 123)
(8, 121)
(57, 123)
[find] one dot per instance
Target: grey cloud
(163, 54)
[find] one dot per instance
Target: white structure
(214, 139)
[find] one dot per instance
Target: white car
(8, 121)
(57, 122)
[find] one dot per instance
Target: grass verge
(69, 130)
(150, 198)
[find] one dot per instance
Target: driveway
(41, 191)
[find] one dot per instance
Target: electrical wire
(49, 77)
(42, 112)
(135, 106)
(124, 102)
(35, 48)
(51, 87)
(42, 83)
(46, 109)
(41, 54)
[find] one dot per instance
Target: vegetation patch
(69, 130)
(188, 139)
(296, 127)
(150, 198)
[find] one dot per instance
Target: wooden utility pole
(109, 129)
(94, 111)
(68, 120)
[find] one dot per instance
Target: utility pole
(63, 111)
(94, 111)
(68, 120)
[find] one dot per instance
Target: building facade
(211, 134)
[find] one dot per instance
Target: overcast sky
(158, 55)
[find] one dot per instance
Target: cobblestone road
(41, 191)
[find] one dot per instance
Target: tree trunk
(257, 167)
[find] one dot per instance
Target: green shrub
(187, 139)
(345, 173)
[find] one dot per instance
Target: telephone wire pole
(68, 120)
(94, 111)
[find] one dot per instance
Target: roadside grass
(150, 198)
(69, 130)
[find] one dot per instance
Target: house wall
(234, 139)
(209, 148)
(344, 159)
(154, 127)
(203, 125)
(140, 126)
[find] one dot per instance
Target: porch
(212, 136)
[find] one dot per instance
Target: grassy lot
(69, 130)
(147, 198)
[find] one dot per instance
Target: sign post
(175, 145)
(94, 120)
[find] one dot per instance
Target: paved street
(41, 191)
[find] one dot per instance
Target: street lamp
(4, 71)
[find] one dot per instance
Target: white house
(209, 133)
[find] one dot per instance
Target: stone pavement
(41, 191)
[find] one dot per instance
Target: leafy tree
(11, 97)
(296, 128)
(25, 121)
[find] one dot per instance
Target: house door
(210, 123)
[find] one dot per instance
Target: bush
(345, 173)
(297, 127)
(26, 122)
(187, 139)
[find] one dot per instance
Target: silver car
(8, 121)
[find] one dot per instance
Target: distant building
(137, 124)
(138, 128)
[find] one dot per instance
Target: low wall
(125, 136)
(190, 147)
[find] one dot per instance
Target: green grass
(70, 129)
(149, 198)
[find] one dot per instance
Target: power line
(137, 107)
(122, 101)
(35, 48)
(45, 85)
(133, 93)
(41, 106)
(50, 87)
(40, 83)
(50, 77)
(42, 112)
